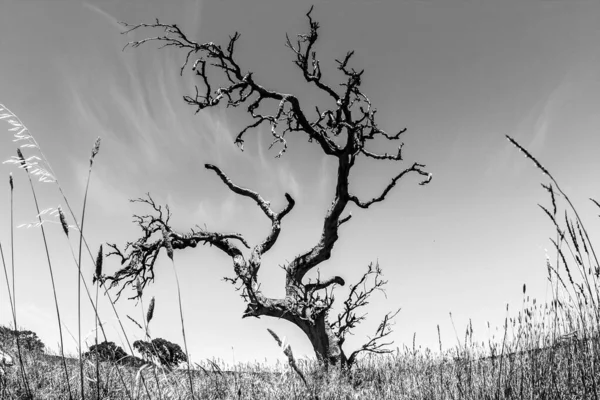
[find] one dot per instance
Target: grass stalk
(26, 168)
(95, 150)
(147, 318)
(97, 279)
(169, 248)
(97, 315)
(567, 199)
(139, 292)
(65, 227)
(14, 289)
(187, 355)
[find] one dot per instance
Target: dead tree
(341, 131)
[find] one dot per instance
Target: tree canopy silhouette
(110, 352)
(28, 340)
(168, 354)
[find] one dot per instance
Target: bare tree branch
(325, 284)
(240, 89)
(345, 219)
(374, 345)
(304, 53)
(386, 156)
(414, 168)
(265, 206)
(358, 297)
(138, 258)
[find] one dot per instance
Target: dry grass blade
(187, 354)
(571, 206)
(139, 377)
(275, 337)
(287, 351)
(135, 322)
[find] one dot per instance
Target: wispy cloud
(288, 181)
(534, 129)
(144, 115)
(325, 173)
(545, 118)
(112, 20)
(280, 173)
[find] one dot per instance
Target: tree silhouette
(27, 339)
(342, 131)
(167, 353)
(107, 351)
(110, 352)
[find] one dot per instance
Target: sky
(458, 74)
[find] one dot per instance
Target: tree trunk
(325, 344)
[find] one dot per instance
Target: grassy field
(564, 371)
(546, 350)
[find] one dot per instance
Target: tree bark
(325, 344)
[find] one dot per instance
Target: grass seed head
(99, 260)
(275, 337)
(20, 154)
(95, 150)
(138, 287)
(63, 221)
(150, 313)
(167, 243)
(10, 181)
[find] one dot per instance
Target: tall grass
(95, 150)
(13, 302)
(97, 279)
(187, 354)
(26, 167)
(41, 168)
(147, 318)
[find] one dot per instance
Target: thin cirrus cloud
(153, 135)
(163, 133)
(535, 127)
(141, 117)
(547, 112)
(112, 20)
(284, 178)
